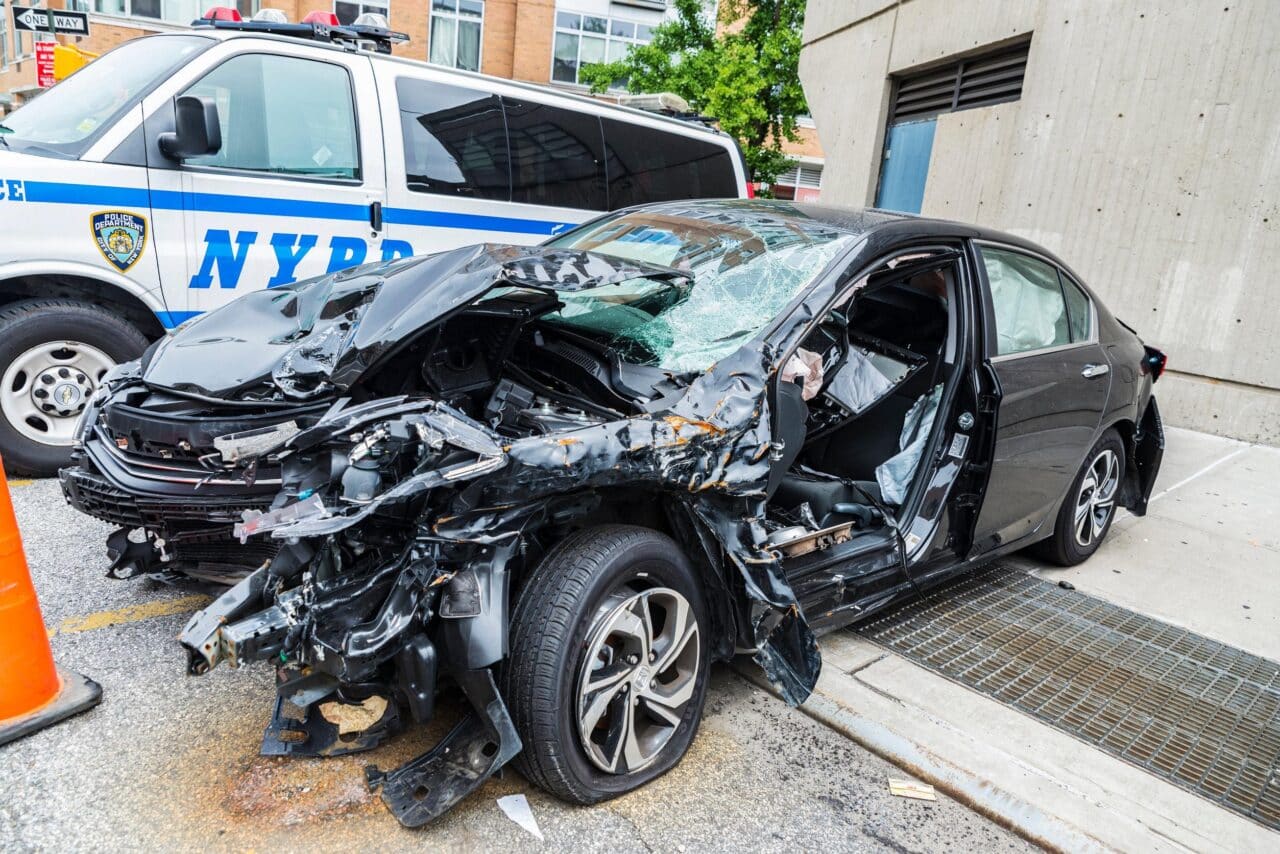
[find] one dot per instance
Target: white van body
(335, 157)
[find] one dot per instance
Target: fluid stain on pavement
(246, 798)
(294, 791)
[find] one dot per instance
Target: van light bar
(317, 16)
(271, 16)
(222, 13)
(369, 32)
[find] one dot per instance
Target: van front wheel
(53, 355)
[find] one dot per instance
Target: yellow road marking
(21, 482)
(130, 614)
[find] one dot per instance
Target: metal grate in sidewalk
(1201, 714)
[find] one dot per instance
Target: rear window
(645, 164)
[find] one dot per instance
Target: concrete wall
(1145, 150)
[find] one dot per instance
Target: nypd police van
(181, 170)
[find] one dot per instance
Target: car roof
(472, 77)
(890, 225)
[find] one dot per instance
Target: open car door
(879, 384)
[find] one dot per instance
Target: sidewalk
(1206, 557)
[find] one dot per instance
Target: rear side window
(644, 164)
(1030, 311)
(1079, 315)
(557, 156)
(455, 141)
(282, 115)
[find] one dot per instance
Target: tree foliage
(746, 76)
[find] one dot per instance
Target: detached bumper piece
(429, 786)
(302, 725)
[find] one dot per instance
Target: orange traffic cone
(33, 692)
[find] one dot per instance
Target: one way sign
(37, 21)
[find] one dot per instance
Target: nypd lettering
(225, 255)
(12, 190)
(121, 236)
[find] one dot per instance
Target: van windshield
(67, 118)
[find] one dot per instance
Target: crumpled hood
(323, 334)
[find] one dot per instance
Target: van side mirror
(197, 130)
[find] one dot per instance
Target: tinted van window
(455, 141)
(644, 164)
(557, 156)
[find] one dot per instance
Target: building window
(455, 33)
(801, 183)
(587, 39)
(173, 11)
(347, 12)
(4, 36)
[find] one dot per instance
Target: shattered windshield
(744, 267)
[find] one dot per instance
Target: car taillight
(751, 190)
(321, 17)
(222, 13)
(1153, 363)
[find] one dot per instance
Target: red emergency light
(321, 17)
(222, 13)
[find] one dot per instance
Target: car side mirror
(197, 130)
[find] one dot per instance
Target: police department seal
(121, 236)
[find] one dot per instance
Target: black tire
(563, 600)
(1065, 547)
(30, 323)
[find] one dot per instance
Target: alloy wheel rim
(1096, 500)
(46, 388)
(638, 676)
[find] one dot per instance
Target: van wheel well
(83, 289)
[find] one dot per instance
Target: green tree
(746, 77)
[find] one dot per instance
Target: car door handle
(1091, 371)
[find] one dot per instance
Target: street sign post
(44, 64)
(37, 21)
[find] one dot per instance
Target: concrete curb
(1000, 806)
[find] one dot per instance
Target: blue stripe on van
(173, 319)
(475, 222)
(136, 197)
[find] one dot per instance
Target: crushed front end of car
(423, 446)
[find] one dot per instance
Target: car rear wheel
(1090, 507)
(607, 672)
(53, 355)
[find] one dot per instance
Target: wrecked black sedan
(566, 479)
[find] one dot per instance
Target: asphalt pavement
(170, 762)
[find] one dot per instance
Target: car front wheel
(1090, 507)
(608, 666)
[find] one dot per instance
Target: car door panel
(1053, 395)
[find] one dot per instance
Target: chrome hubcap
(639, 674)
(45, 389)
(1097, 499)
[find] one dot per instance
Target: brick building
(540, 41)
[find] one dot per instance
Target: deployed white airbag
(895, 474)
